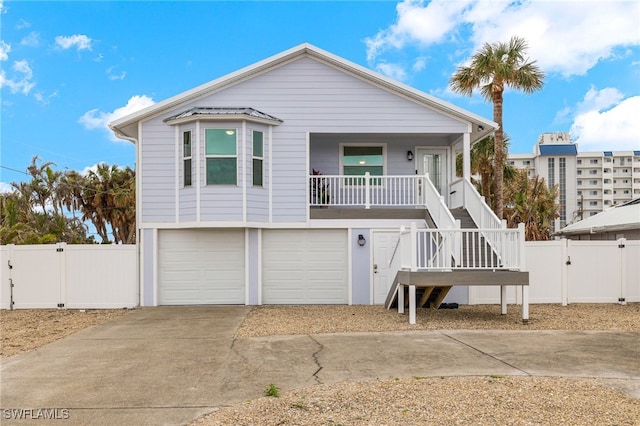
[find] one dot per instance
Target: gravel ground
(25, 329)
(517, 400)
(288, 320)
(520, 400)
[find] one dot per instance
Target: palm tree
(532, 202)
(492, 69)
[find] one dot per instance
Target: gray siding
(310, 97)
(158, 172)
(360, 268)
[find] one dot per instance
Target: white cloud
(395, 71)
(567, 37)
(4, 50)
(21, 83)
(606, 121)
(96, 119)
(113, 76)
(6, 188)
(23, 24)
(79, 41)
(419, 64)
(44, 99)
(32, 39)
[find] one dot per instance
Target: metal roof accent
(223, 111)
(636, 152)
(608, 153)
(558, 149)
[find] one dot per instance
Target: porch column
(466, 156)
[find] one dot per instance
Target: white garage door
(304, 267)
(201, 267)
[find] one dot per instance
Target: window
(594, 192)
(593, 161)
(579, 161)
(186, 158)
(579, 182)
(579, 172)
(607, 202)
(593, 182)
(221, 155)
(593, 203)
(551, 163)
(357, 160)
(258, 156)
(593, 172)
(579, 192)
(526, 162)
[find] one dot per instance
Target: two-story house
(287, 182)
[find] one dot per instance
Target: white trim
(155, 267)
(141, 248)
(259, 266)
(349, 266)
(242, 156)
(314, 224)
(270, 189)
(341, 147)
(247, 265)
(199, 166)
(308, 173)
(139, 172)
(178, 158)
(294, 53)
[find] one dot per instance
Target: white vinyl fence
(567, 271)
(68, 276)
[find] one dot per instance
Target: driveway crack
(485, 353)
(316, 359)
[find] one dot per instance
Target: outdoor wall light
(409, 155)
(480, 128)
(361, 240)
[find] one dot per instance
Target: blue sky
(67, 68)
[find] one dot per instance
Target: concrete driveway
(169, 365)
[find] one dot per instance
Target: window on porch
(360, 159)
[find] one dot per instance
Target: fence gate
(36, 274)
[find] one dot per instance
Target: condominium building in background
(588, 182)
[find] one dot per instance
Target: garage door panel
(305, 267)
(201, 267)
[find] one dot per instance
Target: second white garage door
(304, 267)
(201, 267)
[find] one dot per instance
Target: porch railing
(448, 249)
(366, 191)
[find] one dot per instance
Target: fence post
(367, 188)
(522, 258)
(565, 258)
(62, 249)
(414, 247)
(622, 243)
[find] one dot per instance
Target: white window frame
(187, 158)
(360, 144)
(255, 157)
(208, 156)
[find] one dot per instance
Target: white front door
(384, 244)
(433, 161)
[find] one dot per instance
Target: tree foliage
(532, 202)
(55, 206)
(493, 68)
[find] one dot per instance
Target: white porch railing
(479, 210)
(448, 249)
(366, 191)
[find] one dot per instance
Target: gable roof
(125, 128)
(619, 218)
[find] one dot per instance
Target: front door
(384, 244)
(433, 161)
